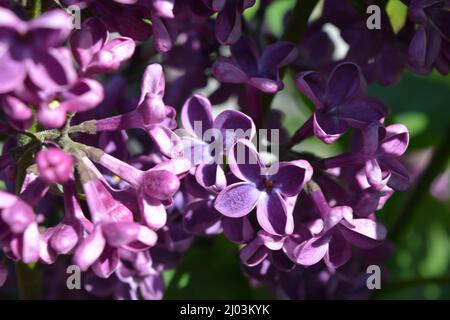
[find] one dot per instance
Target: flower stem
(35, 9)
(421, 188)
(28, 275)
(28, 281)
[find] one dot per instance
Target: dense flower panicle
(121, 177)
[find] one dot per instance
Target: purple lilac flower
(94, 52)
(84, 187)
(151, 114)
(31, 49)
(333, 236)
(341, 102)
(19, 231)
(206, 133)
(430, 45)
(380, 153)
(261, 189)
(246, 65)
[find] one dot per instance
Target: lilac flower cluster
(97, 175)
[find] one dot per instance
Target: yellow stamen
(54, 105)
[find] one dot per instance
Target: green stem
(28, 281)
(36, 9)
(422, 186)
(28, 275)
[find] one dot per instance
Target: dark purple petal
(346, 82)
(226, 70)
(238, 230)
(88, 40)
(289, 179)
(339, 251)
(245, 162)
(228, 24)
(277, 56)
(200, 215)
(196, 115)
(273, 216)
(234, 125)
(364, 233)
(312, 85)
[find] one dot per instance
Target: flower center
(268, 184)
(54, 104)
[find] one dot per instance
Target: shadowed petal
(289, 179)
(90, 249)
(312, 85)
(88, 40)
(196, 115)
(238, 230)
(234, 125)
(245, 162)
(200, 215)
(364, 233)
(308, 252)
(339, 251)
(277, 55)
(226, 70)
(346, 82)
(273, 216)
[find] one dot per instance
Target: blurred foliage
(210, 270)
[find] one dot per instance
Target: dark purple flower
(430, 45)
(29, 49)
(341, 102)
(246, 65)
(333, 236)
